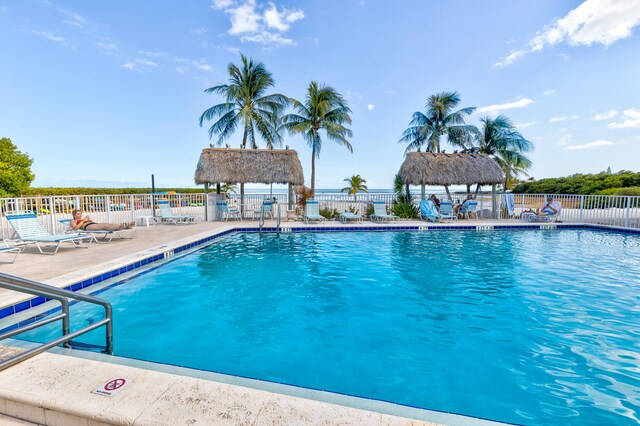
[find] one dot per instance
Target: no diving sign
(112, 387)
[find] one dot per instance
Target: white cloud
(632, 119)
(199, 31)
(592, 22)
(370, 107)
(130, 66)
(111, 47)
(222, 4)
(146, 62)
(72, 18)
(523, 125)
(259, 23)
(520, 103)
(281, 20)
(152, 54)
(51, 37)
(565, 139)
(563, 118)
(549, 92)
(265, 37)
(589, 145)
(202, 66)
(605, 115)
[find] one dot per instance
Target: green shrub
(405, 211)
(328, 213)
(630, 191)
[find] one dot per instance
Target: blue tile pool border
(33, 302)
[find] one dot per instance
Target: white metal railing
(622, 211)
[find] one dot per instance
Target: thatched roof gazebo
(429, 168)
(222, 165)
(268, 166)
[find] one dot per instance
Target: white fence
(621, 211)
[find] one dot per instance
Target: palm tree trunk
(313, 171)
(446, 188)
(468, 189)
(477, 189)
(244, 145)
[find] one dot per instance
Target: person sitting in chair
(435, 200)
(463, 206)
(86, 224)
(549, 209)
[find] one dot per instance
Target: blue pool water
(529, 327)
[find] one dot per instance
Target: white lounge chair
(226, 212)
(10, 248)
(167, 217)
(30, 231)
(380, 213)
(312, 212)
(347, 216)
(446, 211)
(532, 217)
(471, 207)
(107, 235)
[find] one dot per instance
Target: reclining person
(549, 209)
(86, 224)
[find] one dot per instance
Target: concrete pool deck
(55, 388)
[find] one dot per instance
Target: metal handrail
(261, 221)
(278, 219)
(31, 287)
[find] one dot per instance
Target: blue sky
(107, 93)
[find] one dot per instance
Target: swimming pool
(533, 327)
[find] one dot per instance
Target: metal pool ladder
(261, 222)
(22, 285)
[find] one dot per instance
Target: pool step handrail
(278, 220)
(23, 285)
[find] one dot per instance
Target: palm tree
(439, 121)
(356, 184)
(500, 139)
(323, 109)
(247, 104)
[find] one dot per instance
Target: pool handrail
(39, 289)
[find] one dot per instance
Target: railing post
(581, 208)
(132, 207)
(107, 206)
(52, 220)
(626, 220)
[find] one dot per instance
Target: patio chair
(380, 213)
(428, 211)
(30, 231)
(226, 212)
(167, 217)
(532, 217)
(312, 212)
(10, 248)
(347, 216)
(446, 211)
(265, 209)
(469, 209)
(107, 235)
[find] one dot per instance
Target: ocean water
(527, 327)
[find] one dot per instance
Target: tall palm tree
(323, 109)
(500, 139)
(355, 184)
(439, 121)
(246, 104)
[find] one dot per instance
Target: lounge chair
(30, 231)
(10, 248)
(107, 235)
(312, 212)
(346, 216)
(380, 213)
(446, 211)
(265, 209)
(167, 217)
(226, 212)
(470, 208)
(532, 217)
(428, 211)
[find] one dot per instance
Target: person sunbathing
(549, 209)
(86, 224)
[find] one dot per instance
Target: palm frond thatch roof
(428, 168)
(220, 165)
